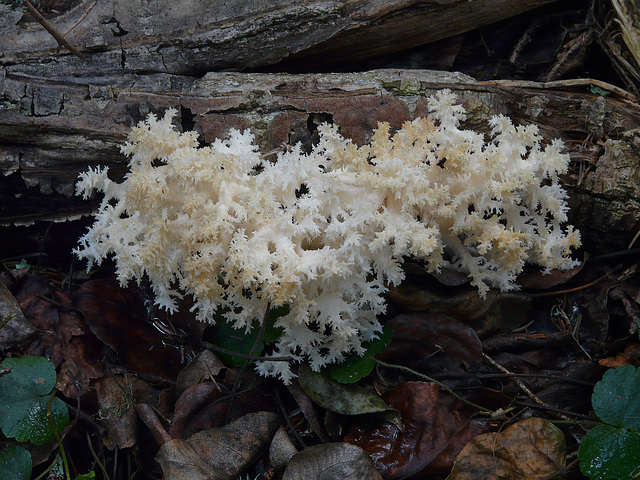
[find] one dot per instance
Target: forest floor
(500, 385)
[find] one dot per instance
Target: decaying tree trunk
(60, 114)
(188, 37)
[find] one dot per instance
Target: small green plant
(30, 412)
(15, 463)
(612, 451)
(354, 367)
(234, 346)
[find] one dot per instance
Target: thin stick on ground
(522, 386)
(62, 42)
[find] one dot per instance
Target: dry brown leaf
(17, 330)
(219, 453)
(533, 449)
(201, 368)
(63, 337)
(117, 399)
(281, 450)
(331, 461)
(630, 356)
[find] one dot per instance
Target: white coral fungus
(326, 232)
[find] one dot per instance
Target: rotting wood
(51, 131)
(190, 37)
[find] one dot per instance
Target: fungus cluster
(326, 232)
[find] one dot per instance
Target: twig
(213, 380)
(433, 380)
(577, 82)
(56, 434)
(634, 239)
(7, 320)
(62, 42)
(575, 289)
(522, 386)
(84, 15)
(287, 419)
(96, 458)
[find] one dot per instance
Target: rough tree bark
(60, 114)
(187, 37)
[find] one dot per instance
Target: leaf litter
(432, 404)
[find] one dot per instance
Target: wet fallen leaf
(533, 449)
(536, 363)
(434, 422)
(566, 393)
(541, 280)
(467, 305)
(331, 461)
(202, 367)
(118, 317)
(17, 330)
(219, 453)
(63, 336)
(433, 343)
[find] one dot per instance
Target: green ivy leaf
(24, 399)
(355, 367)
(15, 463)
(613, 451)
(223, 335)
(608, 452)
(616, 398)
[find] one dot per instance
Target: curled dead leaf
(533, 449)
(437, 426)
(219, 453)
(117, 410)
(17, 330)
(281, 450)
(202, 367)
(331, 461)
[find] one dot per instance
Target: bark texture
(60, 114)
(121, 37)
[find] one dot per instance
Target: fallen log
(49, 132)
(190, 37)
